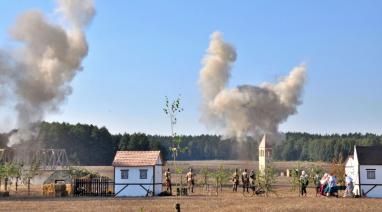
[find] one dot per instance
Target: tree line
(92, 145)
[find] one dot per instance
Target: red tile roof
(136, 158)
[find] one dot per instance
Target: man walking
(167, 177)
(235, 181)
(245, 180)
(349, 186)
(190, 180)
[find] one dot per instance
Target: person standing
(317, 183)
(235, 181)
(190, 181)
(252, 177)
(167, 177)
(349, 186)
(303, 183)
(331, 189)
(245, 180)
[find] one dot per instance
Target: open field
(201, 200)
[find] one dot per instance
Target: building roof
(369, 155)
(136, 158)
(265, 143)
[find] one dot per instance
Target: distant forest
(91, 145)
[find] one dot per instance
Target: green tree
(171, 110)
(267, 179)
(30, 172)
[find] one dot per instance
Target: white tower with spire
(265, 153)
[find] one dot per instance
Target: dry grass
(199, 201)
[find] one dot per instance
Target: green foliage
(204, 173)
(84, 144)
(180, 171)
(295, 177)
(78, 172)
(338, 169)
(314, 147)
(171, 110)
(30, 171)
(267, 179)
(221, 176)
(9, 171)
(91, 145)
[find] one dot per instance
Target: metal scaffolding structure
(52, 159)
(6, 156)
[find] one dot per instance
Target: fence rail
(93, 187)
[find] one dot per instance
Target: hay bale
(69, 189)
(48, 190)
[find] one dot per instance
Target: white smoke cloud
(37, 75)
(245, 110)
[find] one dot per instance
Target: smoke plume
(245, 110)
(35, 77)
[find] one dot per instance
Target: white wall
(134, 177)
(356, 189)
(158, 177)
(377, 191)
(349, 168)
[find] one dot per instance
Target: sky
(141, 51)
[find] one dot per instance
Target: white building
(137, 172)
(265, 153)
(365, 167)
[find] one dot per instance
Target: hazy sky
(141, 51)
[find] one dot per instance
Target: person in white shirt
(349, 186)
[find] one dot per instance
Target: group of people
(189, 178)
(326, 185)
(247, 179)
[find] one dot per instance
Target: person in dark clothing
(304, 183)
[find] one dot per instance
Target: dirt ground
(198, 201)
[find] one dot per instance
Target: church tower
(265, 153)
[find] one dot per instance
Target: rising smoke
(36, 77)
(245, 110)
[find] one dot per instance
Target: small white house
(137, 172)
(365, 167)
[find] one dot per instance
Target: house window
(125, 174)
(370, 174)
(143, 173)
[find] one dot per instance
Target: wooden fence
(93, 187)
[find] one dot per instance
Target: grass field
(201, 200)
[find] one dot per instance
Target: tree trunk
(29, 186)
(217, 186)
(17, 180)
(6, 184)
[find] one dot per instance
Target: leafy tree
(30, 172)
(204, 173)
(221, 176)
(267, 179)
(171, 110)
